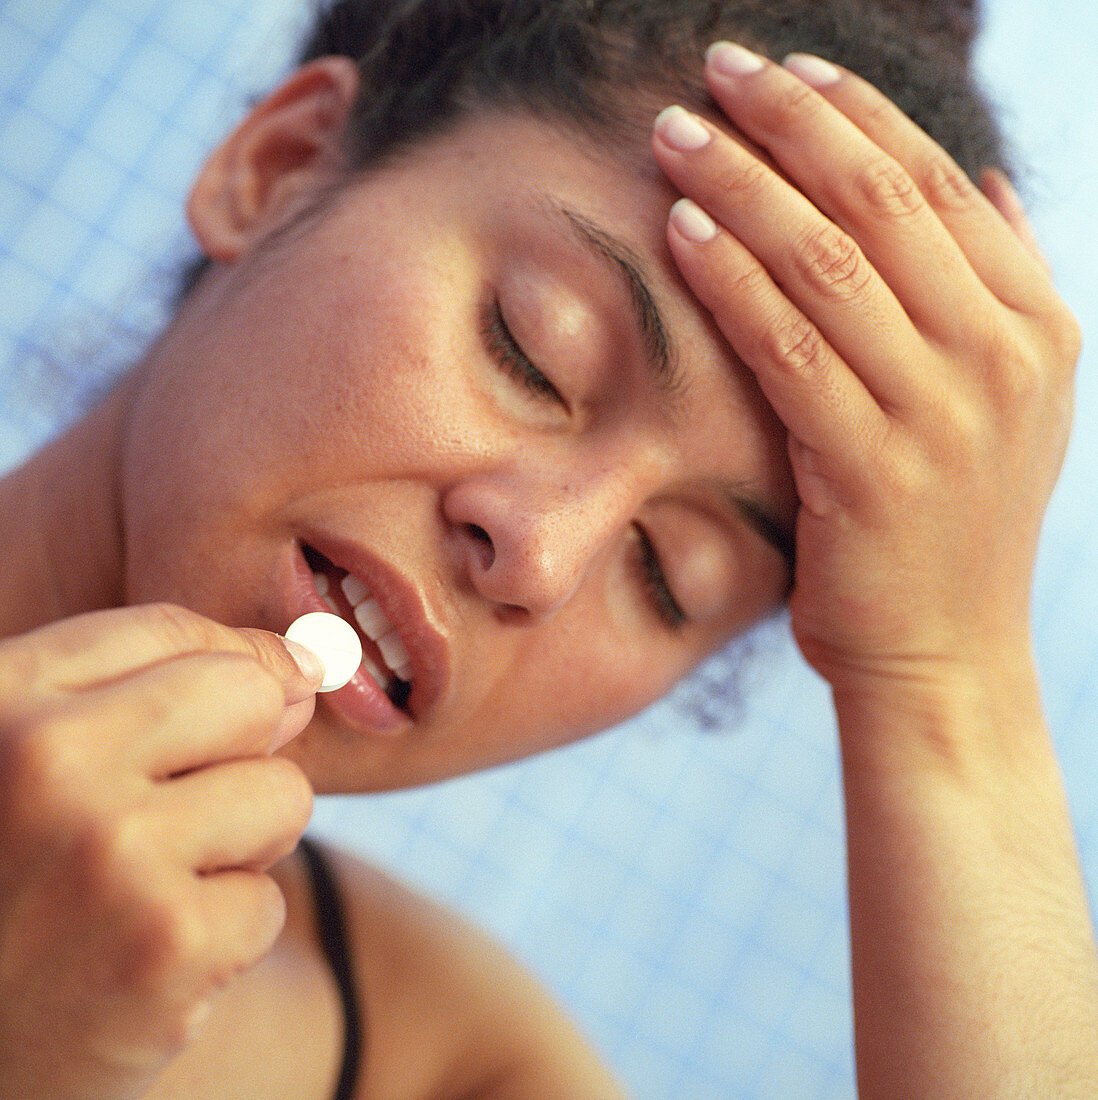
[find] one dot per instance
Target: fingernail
(310, 664)
(681, 130)
(731, 59)
(692, 222)
(814, 71)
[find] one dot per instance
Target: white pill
(334, 641)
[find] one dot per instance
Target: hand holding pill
(141, 807)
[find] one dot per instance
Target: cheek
(615, 659)
(388, 382)
(375, 395)
(635, 676)
(336, 329)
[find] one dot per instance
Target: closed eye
(508, 354)
(655, 584)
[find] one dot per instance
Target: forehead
(614, 201)
(550, 187)
(547, 193)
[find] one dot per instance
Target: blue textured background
(683, 891)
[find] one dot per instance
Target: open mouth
(384, 656)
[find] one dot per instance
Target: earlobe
(286, 149)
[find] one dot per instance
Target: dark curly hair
(426, 62)
(609, 65)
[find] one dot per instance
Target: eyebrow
(659, 353)
(663, 362)
(767, 524)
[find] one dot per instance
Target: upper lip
(408, 611)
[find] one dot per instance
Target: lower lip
(361, 704)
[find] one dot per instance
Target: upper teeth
(373, 623)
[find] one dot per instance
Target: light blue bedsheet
(682, 890)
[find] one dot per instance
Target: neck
(60, 524)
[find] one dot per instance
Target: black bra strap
(333, 938)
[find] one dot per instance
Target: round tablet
(334, 641)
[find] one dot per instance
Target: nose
(528, 540)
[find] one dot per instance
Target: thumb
(294, 719)
(298, 668)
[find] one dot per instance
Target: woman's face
(473, 383)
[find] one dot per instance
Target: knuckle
(1021, 380)
(262, 682)
(747, 176)
(23, 664)
(831, 262)
(796, 345)
(945, 185)
(1020, 387)
(900, 481)
(749, 283)
(177, 628)
(1067, 337)
(297, 793)
(153, 706)
(43, 776)
(268, 918)
(108, 855)
(791, 103)
(881, 115)
(959, 438)
(180, 1025)
(887, 189)
(243, 697)
(178, 934)
(290, 790)
(167, 938)
(263, 697)
(1017, 378)
(251, 681)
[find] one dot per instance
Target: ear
(284, 152)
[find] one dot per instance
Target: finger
(178, 715)
(244, 913)
(825, 406)
(997, 189)
(245, 814)
(972, 219)
(188, 942)
(93, 649)
(820, 268)
(855, 184)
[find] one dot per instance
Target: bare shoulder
(449, 1011)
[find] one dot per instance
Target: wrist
(951, 706)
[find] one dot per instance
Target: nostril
(484, 544)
